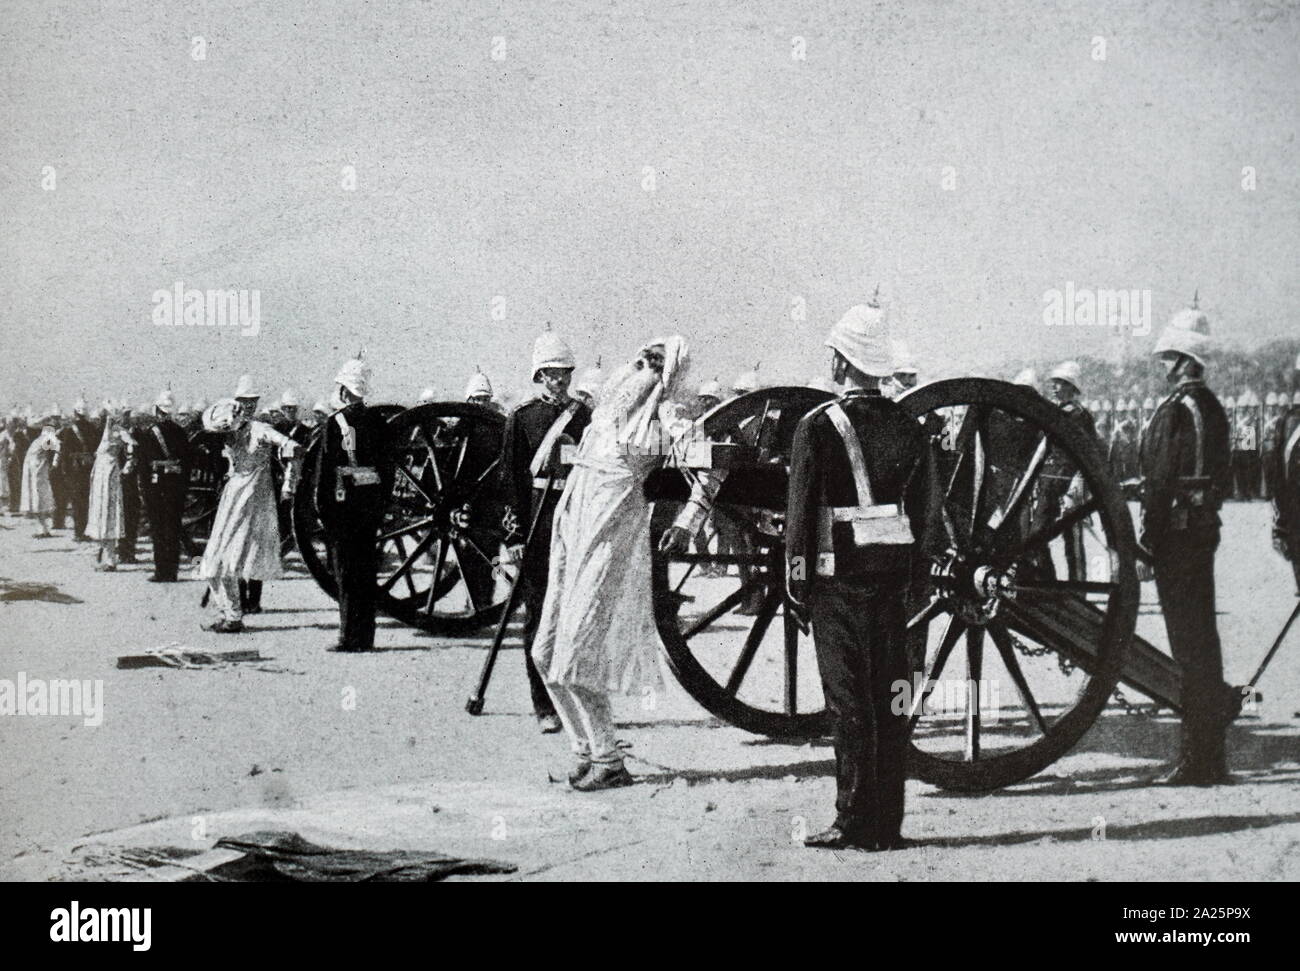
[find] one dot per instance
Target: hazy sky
(775, 178)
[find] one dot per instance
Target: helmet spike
(1196, 299)
(875, 298)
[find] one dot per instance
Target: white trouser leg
(598, 721)
(225, 597)
(570, 713)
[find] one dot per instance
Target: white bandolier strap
(873, 524)
(548, 442)
(1199, 424)
(349, 437)
(1290, 448)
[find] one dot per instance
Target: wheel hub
(975, 591)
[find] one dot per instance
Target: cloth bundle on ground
(279, 855)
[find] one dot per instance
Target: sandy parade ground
(376, 751)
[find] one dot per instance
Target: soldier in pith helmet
(351, 479)
(858, 503)
(78, 441)
(162, 473)
(1245, 447)
(1060, 484)
(1186, 474)
(531, 443)
(1122, 451)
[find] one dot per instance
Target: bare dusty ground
(186, 756)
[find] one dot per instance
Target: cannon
(1017, 641)
(445, 566)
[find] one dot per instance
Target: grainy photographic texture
(649, 441)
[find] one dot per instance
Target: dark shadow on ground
(1255, 754)
(814, 769)
(1164, 829)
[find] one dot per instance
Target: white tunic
(245, 539)
(38, 493)
(597, 628)
(106, 519)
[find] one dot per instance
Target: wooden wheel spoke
(460, 565)
(419, 432)
(406, 530)
(410, 584)
(460, 458)
(403, 569)
(974, 672)
(1046, 534)
(416, 485)
(1002, 640)
(951, 634)
(980, 454)
(437, 574)
(927, 613)
(723, 607)
(752, 643)
(1020, 495)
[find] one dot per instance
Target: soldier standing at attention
(1185, 466)
(1245, 447)
(351, 481)
(857, 505)
(1059, 485)
(530, 450)
(78, 440)
(162, 463)
(137, 425)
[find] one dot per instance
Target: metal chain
(1064, 663)
(1068, 667)
(1144, 711)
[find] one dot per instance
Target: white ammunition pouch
(351, 474)
(873, 524)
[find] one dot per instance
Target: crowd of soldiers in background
(67, 444)
(1253, 420)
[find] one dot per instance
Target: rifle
(475, 703)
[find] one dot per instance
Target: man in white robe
(597, 633)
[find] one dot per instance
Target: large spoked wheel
(203, 491)
(1033, 587)
(444, 565)
(720, 608)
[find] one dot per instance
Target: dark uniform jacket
(77, 444)
(1284, 472)
(1058, 464)
(896, 453)
(149, 450)
(525, 429)
(359, 505)
(1186, 464)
